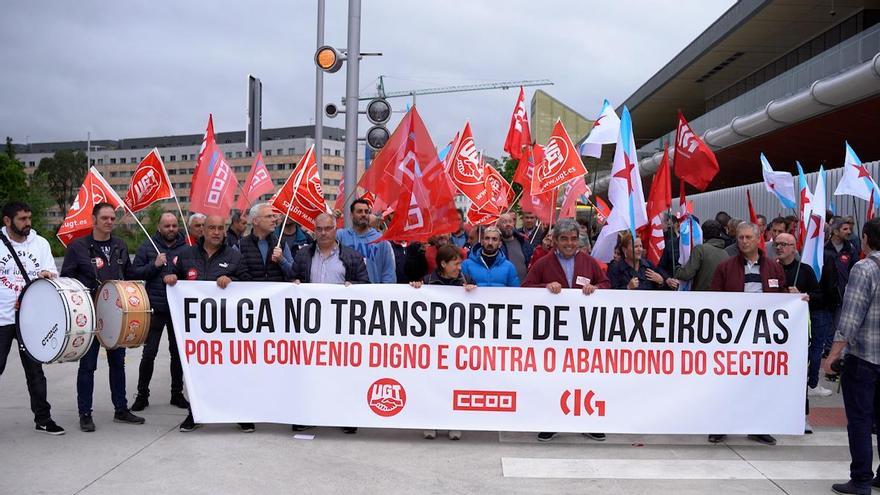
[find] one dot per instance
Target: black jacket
(434, 278)
(257, 268)
(806, 282)
(85, 262)
(355, 266)
(193, 263)
(143, 267)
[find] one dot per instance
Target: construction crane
(380, 88)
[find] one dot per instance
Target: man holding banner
(210, 259)
(92, 260)
(567, 268)
(749, 271)
(149, 266)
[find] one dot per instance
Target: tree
(63, 175)
(508, 170)
(13, 180)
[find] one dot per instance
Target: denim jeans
(85, 379)
(859, 381)
(33, 374)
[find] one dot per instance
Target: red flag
(659, 200)
(869, 215)
(467, 171)
(574, 190)
(542, 205)
(339, 203)
(257, 184)
(695, 162)
(561, 162)
(602, 210)
(502, 197)
(519, 135)
(301, 197)
(425, 206)
(78, 221)
(149, 183)
(753, 218)
(213, 183)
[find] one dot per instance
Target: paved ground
(156, 458)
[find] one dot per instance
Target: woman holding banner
(448, 273)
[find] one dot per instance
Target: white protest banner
(492, 358)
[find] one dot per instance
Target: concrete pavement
(157, 458)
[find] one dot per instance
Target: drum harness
(94, 255)
(21, 269)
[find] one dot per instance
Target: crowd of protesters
(842, 301)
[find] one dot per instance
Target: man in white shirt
(35, 256)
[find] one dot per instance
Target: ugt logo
(581, 401)
(386, 397)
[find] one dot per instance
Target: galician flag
(624, 191)
(605, 131)
(814, 243)
(856, 180)
(691, 237)
(780, 184)
(806, 203)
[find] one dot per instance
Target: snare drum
(56, 320)
(123, 310)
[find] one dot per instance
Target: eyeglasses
(784, 244)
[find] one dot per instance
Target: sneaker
(140, 403)
(818, 391)
(429, 434)
(765, 439)
(178, 401)
(247, 427)
(51, 428)
(546, 436)
(189, 424)
(599, 437)
(301, 427)
(86, 424)
(454, 434)
(717, 438)
(127, 417)
(849, 488)
(349, 430)
(808, 428)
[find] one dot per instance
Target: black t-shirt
(104, 247)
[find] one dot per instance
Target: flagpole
(149, 238)
(182, 218)
(513, 203)
(855, 216)
(286, 216)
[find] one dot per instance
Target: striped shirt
(859, 323)
(753, 281)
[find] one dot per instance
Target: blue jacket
(379, 255)
(502, 273)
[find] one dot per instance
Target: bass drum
(123, 310)
(55, 320)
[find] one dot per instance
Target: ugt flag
(149, 183)
(561, 162)
(78, 221)
(301, 197)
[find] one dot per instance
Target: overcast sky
(146, 68)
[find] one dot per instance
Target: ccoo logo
(386, 397)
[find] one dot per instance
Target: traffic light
(378, 112)
(328, 59)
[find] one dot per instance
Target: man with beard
(514, 245)
(149, 266)
(379, 255)
(530, 229)
(22, 245)
(487, 266)
(237, 226)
